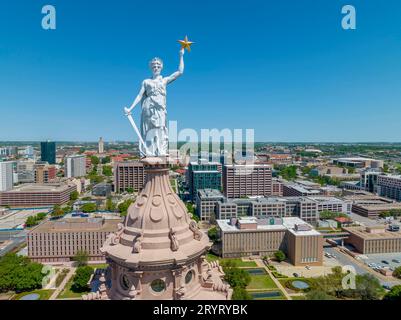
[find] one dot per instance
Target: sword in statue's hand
(131, 120)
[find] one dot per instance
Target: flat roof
(288, 224)
(363, 233)
(35, 187)
(77, 225)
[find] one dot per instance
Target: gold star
(186, 44)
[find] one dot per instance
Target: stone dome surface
(158, 229)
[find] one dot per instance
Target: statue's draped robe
(153, 119)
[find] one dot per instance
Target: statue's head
(156, 64)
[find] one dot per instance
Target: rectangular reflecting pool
(256, 271)
(265, 294)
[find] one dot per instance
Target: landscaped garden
(238, 261)
(78, 284)
(261, 282)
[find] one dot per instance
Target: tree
(393, 294)
(123, 207)
(81, 258)
(88, 207)
(397, 272)
(288, 172)
(57, 211)
(94, 160)
(107, 171)
(213, 234)
(235, 276)
(368, 287)
(280, 256)
(74, 195)
(106, 160)
(31, 221)
(240, 294)
(130, 190)
(18, 273)
(318, 295)
(81, 278)
(110, 206)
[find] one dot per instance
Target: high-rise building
(129, 175)
(389, 186)
(244, 180)
(6, 175)
(48, 152)
(44, 173)
(101, 145)
(203, 174)
(75, 166)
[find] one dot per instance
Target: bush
(213, 234)
(280, 256)
(394, 294)
(278, 275)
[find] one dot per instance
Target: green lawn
(261, 282)
(99, 266)
(241, 264)
(298, 297)
(67, 293)
(44, 294)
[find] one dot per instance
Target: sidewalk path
(63, 284)
(278, 284)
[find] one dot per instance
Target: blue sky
(284, 68)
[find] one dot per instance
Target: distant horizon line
(256, 142)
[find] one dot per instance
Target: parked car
(396, 260)
(386, 286)
(307, 267)
(296, 275)
(385, 261)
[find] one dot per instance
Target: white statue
(153, 138)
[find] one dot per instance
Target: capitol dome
(159, 251)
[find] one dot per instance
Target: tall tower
(6, 175)
(159, 252)
(101, 145)
(48, 152)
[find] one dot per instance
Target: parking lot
(393, 260)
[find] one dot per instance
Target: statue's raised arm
(180, 70)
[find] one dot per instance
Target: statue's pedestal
(159, 252)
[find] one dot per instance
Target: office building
(359, 162)
(212, 203)
(375, 239)
(244, 180)
(206, 202)
(44, 173)
(37, 195)
(48, 152)
(101, 145)
(389, 186)
(369, 178)
(129, 175)
(6, 175)
(203, 174)
(75, 166)
(58, 241)
(249, 236)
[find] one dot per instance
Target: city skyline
(287, 70)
